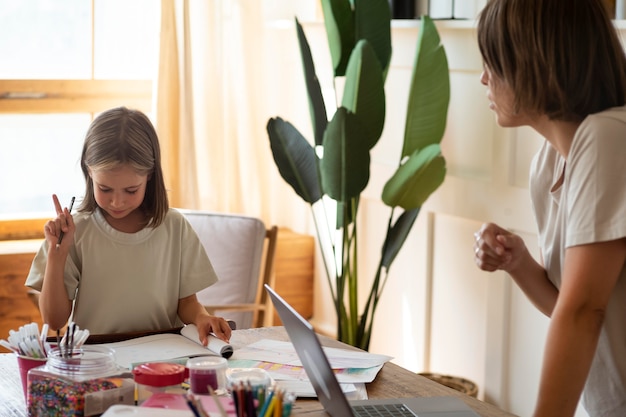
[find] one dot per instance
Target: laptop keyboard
(382, 410)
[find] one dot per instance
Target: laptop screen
(313, 358)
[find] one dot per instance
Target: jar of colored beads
(158, 377)
(80, 382)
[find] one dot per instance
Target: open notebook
(329, 392)
(167, 347)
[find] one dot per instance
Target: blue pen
(266, 404)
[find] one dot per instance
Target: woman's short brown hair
(124, 136)
(561, 58)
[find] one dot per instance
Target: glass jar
(158, 377)
(83, 382)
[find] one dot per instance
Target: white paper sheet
(284, 353)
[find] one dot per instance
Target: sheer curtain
(226, 67)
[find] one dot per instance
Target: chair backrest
(242, 252)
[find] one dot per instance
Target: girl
(125, 262)
(558, 67)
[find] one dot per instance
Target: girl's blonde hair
(561, 58)
(123, 136)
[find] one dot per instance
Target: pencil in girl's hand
(61, 234)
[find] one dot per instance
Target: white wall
(439, 313)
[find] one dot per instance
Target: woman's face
(119, 191)
(501, 100)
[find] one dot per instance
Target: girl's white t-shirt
(126, 282)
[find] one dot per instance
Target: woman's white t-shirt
(589, 206)
(125, 282)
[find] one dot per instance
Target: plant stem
(322, 249)
(353, 274)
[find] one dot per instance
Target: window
(63, 62)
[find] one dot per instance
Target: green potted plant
(334, 170)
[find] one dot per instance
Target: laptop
(329, 391)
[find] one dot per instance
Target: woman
(559, 67)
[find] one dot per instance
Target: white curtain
(226, 67)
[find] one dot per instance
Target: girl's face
(119, 191)
(501, 100)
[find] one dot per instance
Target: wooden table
(392, 381)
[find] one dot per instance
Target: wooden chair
(242, 251)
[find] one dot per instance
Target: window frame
(73, 96)
(64, 96)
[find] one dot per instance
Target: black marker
(61, 234)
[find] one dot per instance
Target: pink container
(205, 371)
(25, 364)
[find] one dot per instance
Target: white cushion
(234, 245)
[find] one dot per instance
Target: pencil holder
(25, 364)
(256, 378)
(79, 382)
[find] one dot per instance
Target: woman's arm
(498, 249)
(191, 311)
(589, 276)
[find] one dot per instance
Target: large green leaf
(346, 161)
(415, 180)
(319, 118)
(295, 158)
(364, 92)
(397, 235)
(339, 23)
(429, 95)
(372, 20)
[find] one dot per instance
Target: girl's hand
(497, 248)
(63, 225)
(212, 325)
